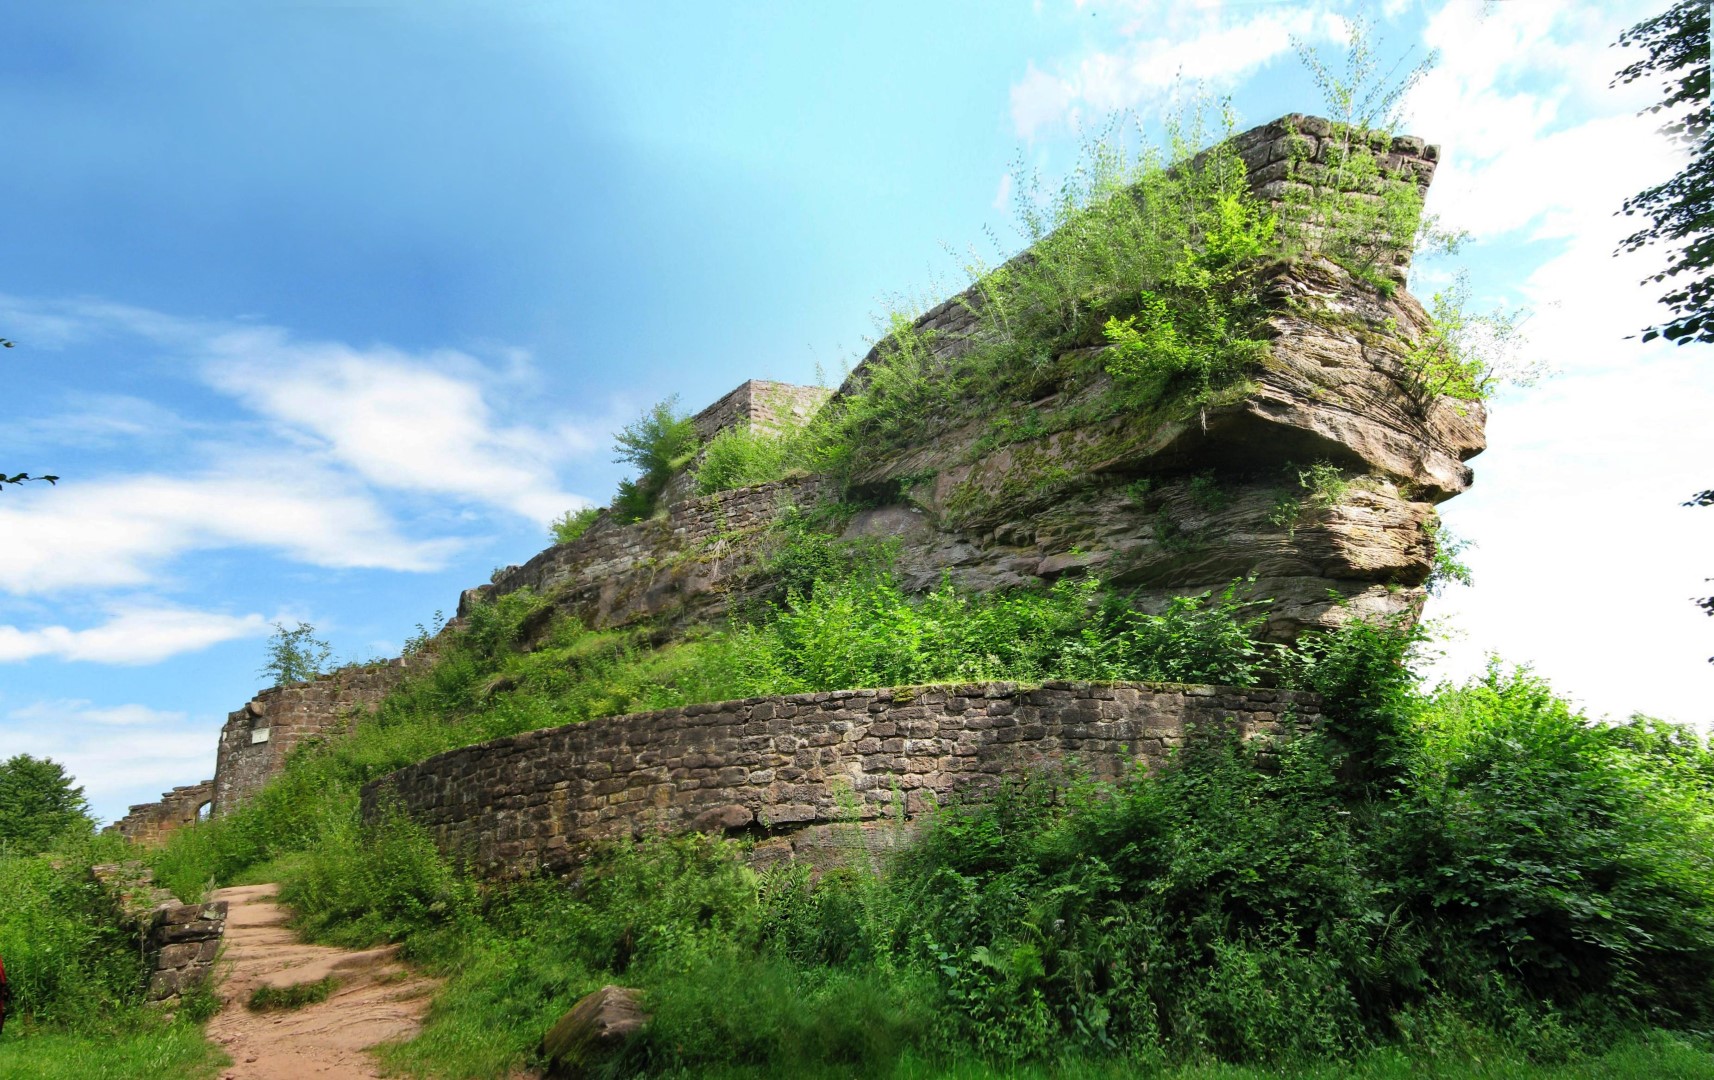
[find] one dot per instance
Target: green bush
(657, 444)
(71, 966)
(572, 524)
(743, 456)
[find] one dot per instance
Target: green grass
(1657, 1056)
(295, 996)
(159, 1051)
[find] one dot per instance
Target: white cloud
(98, 421)
(1164, 45)
(308, 473)
(80, 711)
(120, 532)
(158, 751)
(1585, 561)
(400, 421)
(131, 635)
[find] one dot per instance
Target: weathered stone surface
(723, 819)
(682, 565)
(256, 738)
(799, 762)
(151, 823)
(179, 941)
(594, 1028)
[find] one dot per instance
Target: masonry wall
(787, 764)
(256, 739)
(761, 403)
(152, 823)
(179, 942)
(682, 564)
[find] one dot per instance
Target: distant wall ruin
(152, 823)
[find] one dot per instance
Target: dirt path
(377, 1000)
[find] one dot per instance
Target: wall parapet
(797, 763)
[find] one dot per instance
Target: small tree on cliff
(659, 443)
(38, 804)
(295, 655)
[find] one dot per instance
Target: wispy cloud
(130, 635)
(155, 751)
(318, 462)
(123, 531)
(1161, 45)
(79, 711)
(409, 422)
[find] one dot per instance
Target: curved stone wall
(789, 765)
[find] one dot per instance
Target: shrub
(743, 456)
(70, 966)
(572, 524)
(295, 655)
(658, 444)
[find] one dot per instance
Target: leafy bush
(572, 524)
(1575, 858)
(295, 655)
(70, 966)
(658, 444)
(744, 455)
(866, 631)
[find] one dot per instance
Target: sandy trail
(378, 1000)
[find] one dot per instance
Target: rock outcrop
(1314, 479)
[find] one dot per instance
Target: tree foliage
(1680, 211)
(295, 655)
(39, 803)
(659, 443)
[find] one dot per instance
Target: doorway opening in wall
(203, 810)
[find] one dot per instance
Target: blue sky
(324, 309)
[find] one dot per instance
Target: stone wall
(683, 564)
(761, 403)
(179, 942)
(758, 403)
(256, 739)
(151, 823)
(781, 765)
